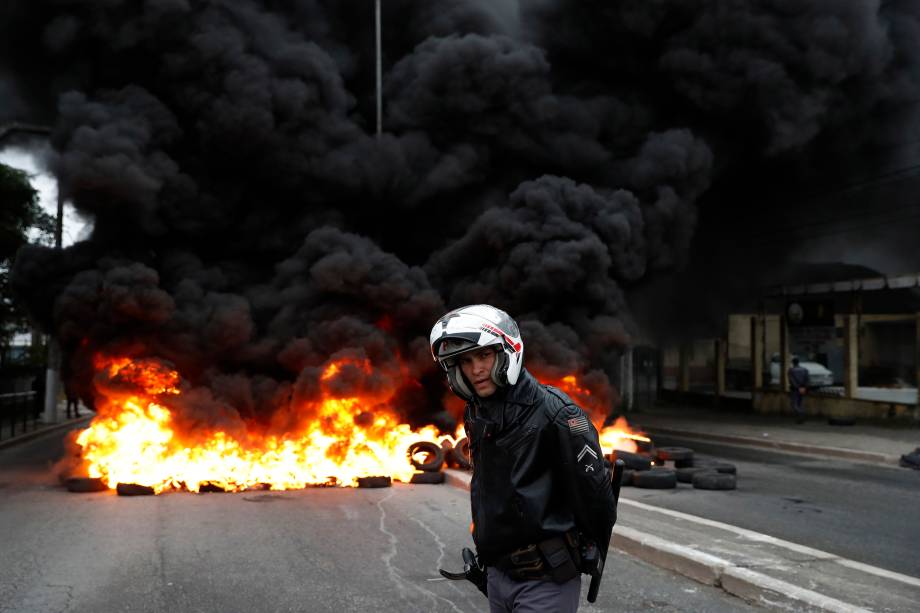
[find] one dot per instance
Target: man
(541, 494)
(798, 386)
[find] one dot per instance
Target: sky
(75, 227)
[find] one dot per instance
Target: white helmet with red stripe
(469, 328)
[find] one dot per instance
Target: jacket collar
(524, 391)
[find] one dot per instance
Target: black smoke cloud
(546, 157)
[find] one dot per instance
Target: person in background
(798, 387)
(73, 404)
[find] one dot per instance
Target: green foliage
(21, 218)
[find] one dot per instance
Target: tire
(210, 488)
(427, 478)
(627, 477)
(842, 421)
(434, 455)
(685, 474)
(710, 480)
(632, 460)
(84, 485)
(683, 463)
(133, 489)
(447, 447)
(657, 478)
(719, 467)
(461, 454)
(675, 454)
(370, 482)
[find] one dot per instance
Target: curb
(711, 570)
(738, 581)
(746, 441)
(28, 436)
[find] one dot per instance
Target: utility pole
(379, 70)
(52, 371)
(51, 414)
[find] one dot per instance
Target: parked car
(818, 374)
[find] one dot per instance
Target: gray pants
(509, 596)
(795, 401)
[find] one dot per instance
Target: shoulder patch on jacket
(578, 424)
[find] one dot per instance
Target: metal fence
(18, 412)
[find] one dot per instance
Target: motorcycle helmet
(473, 327)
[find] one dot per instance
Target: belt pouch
(561, 566)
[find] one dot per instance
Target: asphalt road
(859, 511)
(308, 550)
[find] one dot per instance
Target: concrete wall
(822, 405)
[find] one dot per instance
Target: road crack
(404, 587)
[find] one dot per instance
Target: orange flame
(620, 436)
(617, 436)
(134, 439)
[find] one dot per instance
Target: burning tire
(434, 455)
(428, 478)
(657, 478)
(85, 484)
(632, 460)
(133, 489)
(676, 454)
(447, 447)
(210, 488)
(461, 454)
(711, 480)
(370, 482)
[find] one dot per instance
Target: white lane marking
(764, 538)
(750, 534)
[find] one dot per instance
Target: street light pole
(379, 70)
(51, 414)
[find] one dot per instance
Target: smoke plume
(546, 157)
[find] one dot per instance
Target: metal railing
(18, 409)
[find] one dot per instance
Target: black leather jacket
(538, 470)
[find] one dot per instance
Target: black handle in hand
(469, 558)
(594, 587)
(615, 479)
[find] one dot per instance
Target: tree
(21, 219)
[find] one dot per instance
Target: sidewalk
(42, 428)
(760, 569)
(880, 444)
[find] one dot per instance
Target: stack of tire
(458, 456)
(665, 467)
(428, 459)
